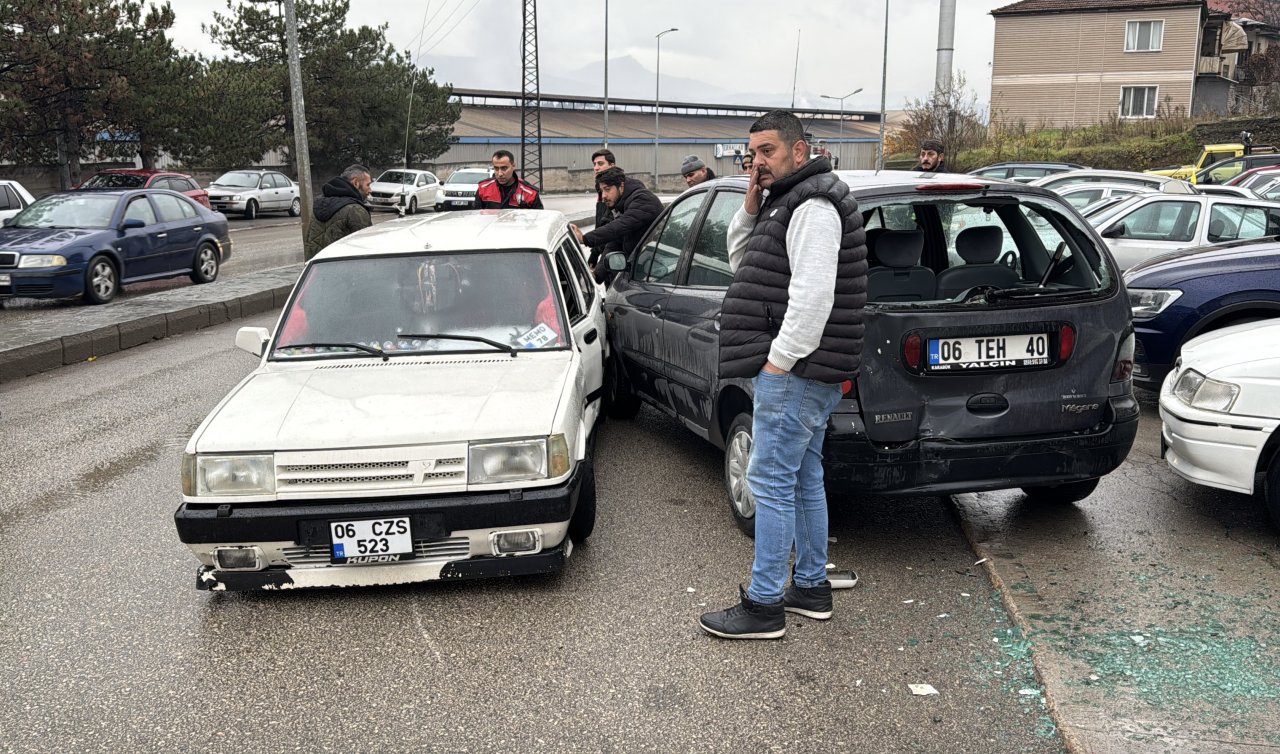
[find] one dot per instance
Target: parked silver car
(248, 192)
(1145, 225)
(13, 198)
(1057, 181)
(406, 190)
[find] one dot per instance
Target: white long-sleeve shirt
(813, 250)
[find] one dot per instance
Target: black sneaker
(812, 602)
(746, 620)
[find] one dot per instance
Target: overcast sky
(725, 50)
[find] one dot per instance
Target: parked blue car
(94, 242)
(1182, 294)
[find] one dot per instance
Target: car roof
(863, 182)
(1032, 165)
(1130, 174)
(476, 230)
(138, 171)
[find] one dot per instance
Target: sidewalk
(72, 335)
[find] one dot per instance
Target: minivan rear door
(1018, 363)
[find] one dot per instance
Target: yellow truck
(1213, 153)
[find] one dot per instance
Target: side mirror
(132, 223)
(615, 261)
(8, 221)
(1115, 231)
(253, 339)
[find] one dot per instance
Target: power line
(457, 8)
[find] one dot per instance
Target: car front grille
(454, 548)
(460, 194)
(32, 289)
(8, 259)
(381, 195)
(423, 468)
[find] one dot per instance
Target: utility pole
(884, 80)
(606, 74)
(302, 154)
(942, 74)
(795, 74)
(530, 99)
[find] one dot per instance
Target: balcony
(1210, 65)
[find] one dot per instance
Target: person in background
(695, 171)
(747, 161)
(340, 209)
(634, 210)
(933, 158)
(506, 189)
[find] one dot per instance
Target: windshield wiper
(474, 338)
(358, 346)
(1029, 291)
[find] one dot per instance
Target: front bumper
(388, 202)
(1211, 448)
(450, 535)
(458, 202)
(934, 466)
(59, 282)
(226, 205)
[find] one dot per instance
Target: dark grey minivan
(998, 348)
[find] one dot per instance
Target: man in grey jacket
(792, 322)
(340, 210)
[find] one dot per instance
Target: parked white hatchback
(424, 410)
(13, 198)
(1221, 407)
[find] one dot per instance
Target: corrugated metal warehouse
(573, 128)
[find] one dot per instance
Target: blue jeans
(785, 477)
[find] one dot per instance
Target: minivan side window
(670, 245)
(710, 264)
(1230, 222)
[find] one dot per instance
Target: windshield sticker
(538, 337)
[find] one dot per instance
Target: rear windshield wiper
(1031, 291)
(357, 346)
(473, 338)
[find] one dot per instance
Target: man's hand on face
(577, 232)
(755, 192)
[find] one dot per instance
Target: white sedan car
(1221, 407)
(13, 198)
(1148, 224)
(406, 191)
(424, 410)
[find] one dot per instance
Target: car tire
(251, 210)
(1061, 494)
(1271, 489)
(413, 206)
(737, 453)
(584, 514)
(101, 280)
(439, 207)
(620, 400)
(207, 263)
(295, 209)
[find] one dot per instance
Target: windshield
(68, 211)
(237, 179)
(1022, 247)
(397, 176)
(115, 180)
(467, 176)
(504, 296)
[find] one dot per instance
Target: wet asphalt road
(106, 644)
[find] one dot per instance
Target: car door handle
(162, 235)
(591, 336)
(198, 228)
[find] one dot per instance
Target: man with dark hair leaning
(634, 209)
(792, 322)
(339, 210)
(506, 189)
(602, 160)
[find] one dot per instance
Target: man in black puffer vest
(792, 322)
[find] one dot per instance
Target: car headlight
(42, 260)
(1147, 303)
(518, 460)
(228, 475)
(1198, 391)
(235, 198)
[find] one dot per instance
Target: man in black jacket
(635, 208)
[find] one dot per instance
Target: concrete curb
(75, 335)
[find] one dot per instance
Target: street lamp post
(657, 83)
(884, 80)
(841, 100)
(606, 74)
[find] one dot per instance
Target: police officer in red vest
(505, 189)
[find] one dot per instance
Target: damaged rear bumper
(943, 467)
